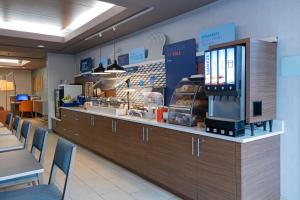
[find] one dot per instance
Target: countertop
(278, 127)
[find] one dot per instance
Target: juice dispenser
(224, 72)
(240, 81)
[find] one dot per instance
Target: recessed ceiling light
(8, 60)
(40, 46)
(56, 29)
(99, 8)
(13, 62)
(23, 67)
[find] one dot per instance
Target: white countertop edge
(192, 130)
(57, 119)
(24, 174)
(4, 132)
(6, 149)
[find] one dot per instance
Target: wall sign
(216, 35)
(180, 61)
(137, 55)
(86, 65)
(123, 59)
(132, 69)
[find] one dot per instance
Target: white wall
(23, 84)
(256, 19)
(60, 67)
(44, 73)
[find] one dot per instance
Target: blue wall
(257, 19)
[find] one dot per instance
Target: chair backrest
(39, 143)
(25, 130)
(26, 106)
(64, 160)
(8, 119)
(16, 124)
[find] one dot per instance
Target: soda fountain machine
(240, 82)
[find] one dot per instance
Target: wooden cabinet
(75, 126)
(184, 163)
(192, 166)
(40, 107)
(159, 151)
(139, 161)
(216, 172)
(102, 139)
(123, 132)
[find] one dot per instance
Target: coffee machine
(240, 82)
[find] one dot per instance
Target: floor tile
(117, 195)
(95, 178)
(148, 194)
(101, 185)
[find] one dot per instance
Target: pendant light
(115, 68)
(100, 69)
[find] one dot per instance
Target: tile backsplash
(154, 72)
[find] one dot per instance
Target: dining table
(5, 131)
(10, 143)
(19, 164)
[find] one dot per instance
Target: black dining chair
(63, 160)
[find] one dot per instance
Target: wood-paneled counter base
(189, 165)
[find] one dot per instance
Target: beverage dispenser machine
(240, 82)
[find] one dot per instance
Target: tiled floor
(95, 178)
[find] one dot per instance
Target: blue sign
(104, 62)
(86, 65)
(180, 61)
(137, 55)
(123, 59)
(132, 69)
(220, 34)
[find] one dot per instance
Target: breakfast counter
(278, 127)
(183, 160)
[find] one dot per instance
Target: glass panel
(222, 66)
(214, 67)
(230, 66)
(207, 68)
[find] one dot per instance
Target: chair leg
(21, 114)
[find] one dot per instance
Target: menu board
(214, 67)
(230, 66)
(222, 66)
(179, 62)
(207, 68)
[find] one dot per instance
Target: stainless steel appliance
(58, 96)
(225, 86)
(65, 90)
